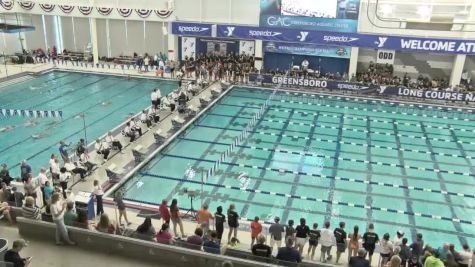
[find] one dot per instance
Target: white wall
(9, 43)
(369, 23)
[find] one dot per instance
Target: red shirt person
(164, 212)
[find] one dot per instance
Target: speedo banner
(441, 95)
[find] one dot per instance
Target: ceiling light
(386, 10)
(424, 11)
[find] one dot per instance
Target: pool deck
(124, 163)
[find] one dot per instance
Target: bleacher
(131, 246)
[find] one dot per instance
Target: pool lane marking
(352, 129)
(39, 91)
(276, 135)
(331, 157)
(322, 148)
(88, 125)
(313, 112)
(362, 145)
(323, 176)
(319, 213)
(313, 199)
(64, 119)
(354, 108)
(363, 119)
(358, 99)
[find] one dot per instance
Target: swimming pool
(105, 100)
(402, 166)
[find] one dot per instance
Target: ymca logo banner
(191, 29)
(398, 43)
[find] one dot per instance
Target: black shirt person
(340, 237)
(13, 255)
(261, 249)
(370, 239)
(359, 261)
(219, 219)
(301, 234)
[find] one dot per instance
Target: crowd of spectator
(293, 243)
(231, 68)
(382, 74)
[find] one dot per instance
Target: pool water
(401, 166)
(105, 100)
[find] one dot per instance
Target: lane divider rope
(366, 110)
(323, 176)
(366, 145)
(301, 153)
(313, 199)
(357, 99)
(239, 139)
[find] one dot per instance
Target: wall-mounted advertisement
(317, 15)
(307, 49)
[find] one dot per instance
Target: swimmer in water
(7, 128)
(106, 103)
(55, 121)
(39, 135)
(30, 123)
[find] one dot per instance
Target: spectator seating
(130, 247)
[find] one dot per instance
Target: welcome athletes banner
(398, 43)
(362, 88)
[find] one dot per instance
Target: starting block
(204, 102)
(138, 156)
(159, 137)
(177, 122)
(113, 174)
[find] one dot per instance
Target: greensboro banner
(309, 82)
(362, 88)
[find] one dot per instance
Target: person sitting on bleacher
(30, 210)
(182, 98)
(153, 114)
(85, 163)
(5, 175)
(102, 148)
(130, 131)
(195, 241)
(211, 244)
(192, 88)
(145, 119)
(135, 127)
(113, 142)
(261, 249)
(81, 147)
(169, 102)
